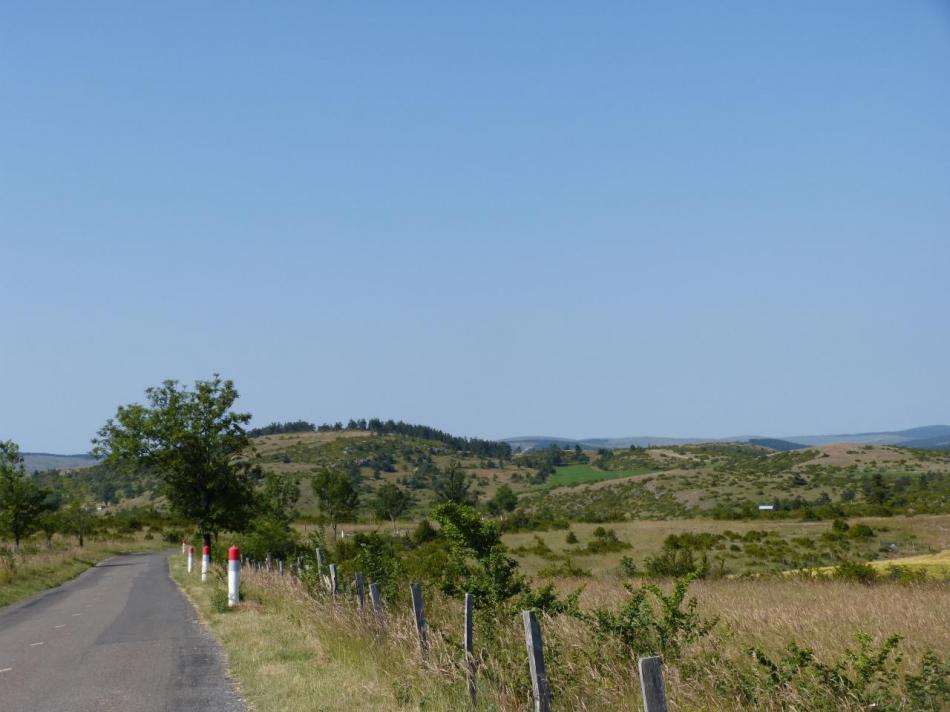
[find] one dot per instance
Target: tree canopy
(194, 443)
(336, 496)
(21, 501)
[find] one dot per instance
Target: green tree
(391, 502)
(505, 500)
(454, 485)
(479, 561)
(77, 508)
(21, 501)
(277, 500)
(195, 444)
(336, 495)
(49, 523)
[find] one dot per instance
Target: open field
(909, 535)
(36, 568)
(581, 474)
(290, 650)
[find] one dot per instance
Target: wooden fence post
(360, 590)
(469, 648)
(374, 597)
(420, 616)
(651, 682)
(539, 679)
(333, 586)
(280, 566)
(319, 561)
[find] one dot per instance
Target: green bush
(855, 571)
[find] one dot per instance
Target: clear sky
(576, 219)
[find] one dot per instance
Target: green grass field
(582, 474)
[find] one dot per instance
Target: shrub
(652, 622)
(855, 571)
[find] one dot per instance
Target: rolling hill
(926, 437)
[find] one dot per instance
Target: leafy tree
(505, 500)
(391, 502)
(194, 443)
(454, 485)
(277, 500)
(479, 560)
(21, 500)
(49, 523)
(77, 508)
(336, 495)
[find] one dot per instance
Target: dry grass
(291, 651)
(36, 568)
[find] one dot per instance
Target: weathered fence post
(420, 617)
(280, 566)
(539, 679)
(360, 590)
(651, 682)
(376, 601)
(333, 586)
(469, 648)
(319, 561)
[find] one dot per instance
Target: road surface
(119, 637)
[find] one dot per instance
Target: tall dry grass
(294, 649)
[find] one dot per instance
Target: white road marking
(62, 625)
(6, 670)
(33, 645)
(77, 614)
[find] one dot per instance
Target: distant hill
(40, 461)
(539, 442)
(776, 444)
(928, 437)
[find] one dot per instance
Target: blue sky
(576, 219)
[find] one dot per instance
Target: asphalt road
(119, 637)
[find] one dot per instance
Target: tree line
(476, 446)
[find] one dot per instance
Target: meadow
(770, 645)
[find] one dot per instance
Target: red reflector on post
(234, 554)
(205, 550)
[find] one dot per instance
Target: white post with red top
(234, 576)
(191, 558)
(183, 545)
(205, 561)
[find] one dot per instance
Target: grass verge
(290, 653)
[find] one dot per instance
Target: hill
(926, 437)
(40, 461)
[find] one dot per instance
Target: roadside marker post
(205, 561)
(183, 545)
(234, 576)
(191, 558)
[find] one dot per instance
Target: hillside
(729, 481)
(40, 461)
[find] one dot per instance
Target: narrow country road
(119, 637)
